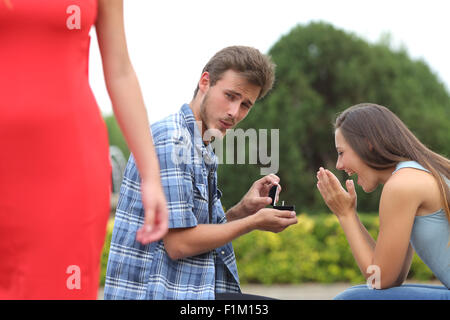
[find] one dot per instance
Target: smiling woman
(414, 207)
(381, 140)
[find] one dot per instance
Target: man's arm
(248, 215)
(186, 242)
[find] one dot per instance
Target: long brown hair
(382, 140)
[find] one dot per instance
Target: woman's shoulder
(414, 185)
(410, 179)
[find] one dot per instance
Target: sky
(170, 41)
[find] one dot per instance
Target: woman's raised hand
(341, 202)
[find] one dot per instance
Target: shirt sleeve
(174, 154)
(176, 180)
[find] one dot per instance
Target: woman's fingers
(329, 185)
(325, 181)
(334, 182)
(323, 186)
(337, 198)
(320, 188)
(351, 188)
(329, 181)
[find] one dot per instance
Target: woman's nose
(339, 165)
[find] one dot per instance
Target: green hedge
(105, 251)
(314, 250)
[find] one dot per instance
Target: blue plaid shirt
(137, 271)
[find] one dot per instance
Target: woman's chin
(368, 189)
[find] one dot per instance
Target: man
(195, 260)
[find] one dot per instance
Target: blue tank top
(430, 236)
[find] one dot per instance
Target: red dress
(54, 164)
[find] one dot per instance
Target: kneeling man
(195, 260)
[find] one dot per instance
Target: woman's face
(349, 161)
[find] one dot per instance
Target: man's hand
(255, 199)
(273, 220)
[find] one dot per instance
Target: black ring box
(273, 195)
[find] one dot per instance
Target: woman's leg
(404, 292)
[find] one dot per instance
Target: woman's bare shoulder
(414, 185)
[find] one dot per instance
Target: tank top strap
(409, 164)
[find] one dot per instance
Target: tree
(321, 71)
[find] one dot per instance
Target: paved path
(308, 291)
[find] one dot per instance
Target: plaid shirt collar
(193, 127)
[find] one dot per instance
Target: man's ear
(204, 83)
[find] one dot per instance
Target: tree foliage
(320, 72)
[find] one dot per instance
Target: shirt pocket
(200, 192)
(201, 203)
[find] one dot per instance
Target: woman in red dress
(54, 164)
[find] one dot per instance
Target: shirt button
(222, 252)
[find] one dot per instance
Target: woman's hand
(341, 202)
(156, 213)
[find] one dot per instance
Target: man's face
(227, 102)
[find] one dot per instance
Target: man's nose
(233, 109)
